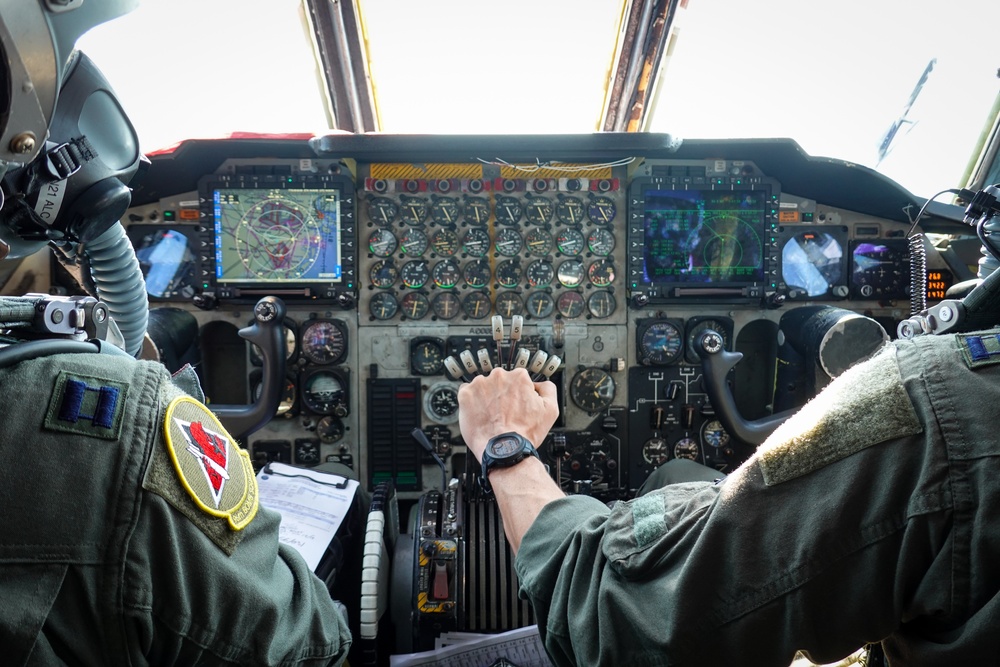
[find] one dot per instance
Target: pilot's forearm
(521, 492)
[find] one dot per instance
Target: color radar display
(701, 236)
(277, 236)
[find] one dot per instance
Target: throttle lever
(716, 361)
(268, 333)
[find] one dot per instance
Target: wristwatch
(504, 451)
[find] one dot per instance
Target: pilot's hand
(505, 401)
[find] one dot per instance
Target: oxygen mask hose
(110, 271)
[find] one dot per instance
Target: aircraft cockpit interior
(332, 290)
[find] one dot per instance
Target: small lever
(469, 362)
(454, 370)
(484, 360)
(516, 324)
(497, 322)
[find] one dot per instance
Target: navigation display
(277, 235)
(703, 236)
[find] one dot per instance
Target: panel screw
(23, 143)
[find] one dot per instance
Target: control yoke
(267, 332)
(717, 362)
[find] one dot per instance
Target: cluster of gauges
(818, 263)
(315, 383)
(656, 451)
(665, 341)
(514, 242)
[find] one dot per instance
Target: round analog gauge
(571, 273)
(324, 392)
(476, 210)
(592, 389)
(570, 241)
(508, 210)
(661, 343)
(509, 304)
(257, 359)
(694, 331)
(570, 304)
(538, 242)
(811, 262)
(509, 273)
(330, 429)
(476, 242)
(601, 304)
(686, 448)
(383, 306)
(601, 273)
(477, 273)
(415, 305)
(446, 274)
(508, 242)
(413, 242)
(714, 434)
(444, 210)
(287, 401)
(382, 242)
(383, 274)
(656, 452)
(414, 274)
(601, 210)
(476, 305)
(601, 242)
(539, 305)
(446, 305)
(539, 273)
(413, 210)
(538, 210)
(427, 356)
(324, 341)
(569, 210)
(382, 210)
(445, 242)
(441, 403)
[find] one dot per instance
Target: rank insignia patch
(982, 349)
(212, 468)
(86, 405)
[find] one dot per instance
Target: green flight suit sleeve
(197, 591)
(836, 533)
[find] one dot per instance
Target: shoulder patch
(212, 468)
(979, 349)
(841, 421)
(86, 405)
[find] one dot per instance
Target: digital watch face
(704, 236)
(274, 235)
(505, 447)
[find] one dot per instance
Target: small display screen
(167, 260)
(704, 236)
(275, 235)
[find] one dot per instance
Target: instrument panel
(393, 254)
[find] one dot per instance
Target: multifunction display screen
(275, 236)
(704, 236)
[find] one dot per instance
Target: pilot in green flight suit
(870, 515)
(132, 532)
